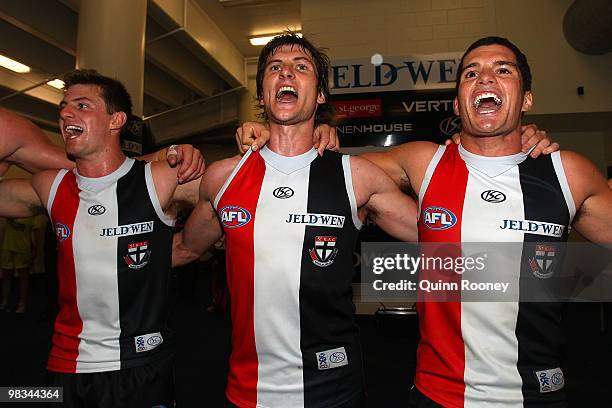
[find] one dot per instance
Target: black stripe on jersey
(538, 327)
(326, 296)
(143, 292)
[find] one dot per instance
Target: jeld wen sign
(411, 72)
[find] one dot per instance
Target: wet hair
(319, 57)
(116, 97)
(521, 59)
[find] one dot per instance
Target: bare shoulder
(42, 182)
(215, 176)
(583, 177)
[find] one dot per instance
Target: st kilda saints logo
(138, 255)
(324, 251)
(543, 262)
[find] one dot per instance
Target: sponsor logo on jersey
(450, 125)
(62, 232)
(316, 220)
(138, 255)
(542, 264)
(324, 251)
(438, 218)
(234, 217)
(331, 358)
(493, 196)
(534, 227)
(550, 380)
(148, 342)
(283, 192)
(96, 209)
(127, 230)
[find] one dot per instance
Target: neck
(100, 164)
(291, 140)
(501, 145)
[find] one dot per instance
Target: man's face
(290, 86)
(490, 97)
(84, 122)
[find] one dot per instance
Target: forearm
(181, 254)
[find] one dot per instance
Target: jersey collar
(287, 164)
(492, 166)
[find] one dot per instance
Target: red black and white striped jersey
(114, 254)
(291, 224)
(481, 354)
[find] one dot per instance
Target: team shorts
(15, 260)
(147, 386)
(419, 400)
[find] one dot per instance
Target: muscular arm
(202, 229)
(379, 198)
(19, 200)
(592, 196)
(405, 164)
(25, 145)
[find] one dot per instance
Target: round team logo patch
(438, 218)
(62, 232)
(234, 217)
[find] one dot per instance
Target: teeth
(486, 95)
(74, 128)
(285, 89)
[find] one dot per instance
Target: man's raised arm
(18, 199)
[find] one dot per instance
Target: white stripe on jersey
(97, 290)
(278, 253)
(491, 359)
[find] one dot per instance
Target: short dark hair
(116, 97)
(320, 59)
(521, 59)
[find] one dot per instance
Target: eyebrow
(294, 59)
(80, 98)
(496, 63)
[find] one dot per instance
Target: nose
(487, 77)
(286, 71)
(65, 112)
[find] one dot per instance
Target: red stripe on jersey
(441, 352)
(68, 324)
(240, 266)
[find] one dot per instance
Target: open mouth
(72, 131)
(286, 94)
(487, 102)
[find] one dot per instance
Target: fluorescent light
(263, 40)
(13, 65)
(56, 83)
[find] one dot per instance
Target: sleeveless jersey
(114, 255)
(291, 224)
(477, 354)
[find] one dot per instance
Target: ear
(118, 119)
(320, 98)
(527, 101)
(456, 106)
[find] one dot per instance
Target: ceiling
(179, 70)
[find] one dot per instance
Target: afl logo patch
(96, 210)
(234, 216)
(283, 192)
(493, 196)
(62, 232)
(438, 218)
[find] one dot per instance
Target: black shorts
(419, 400)
(147, 386)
